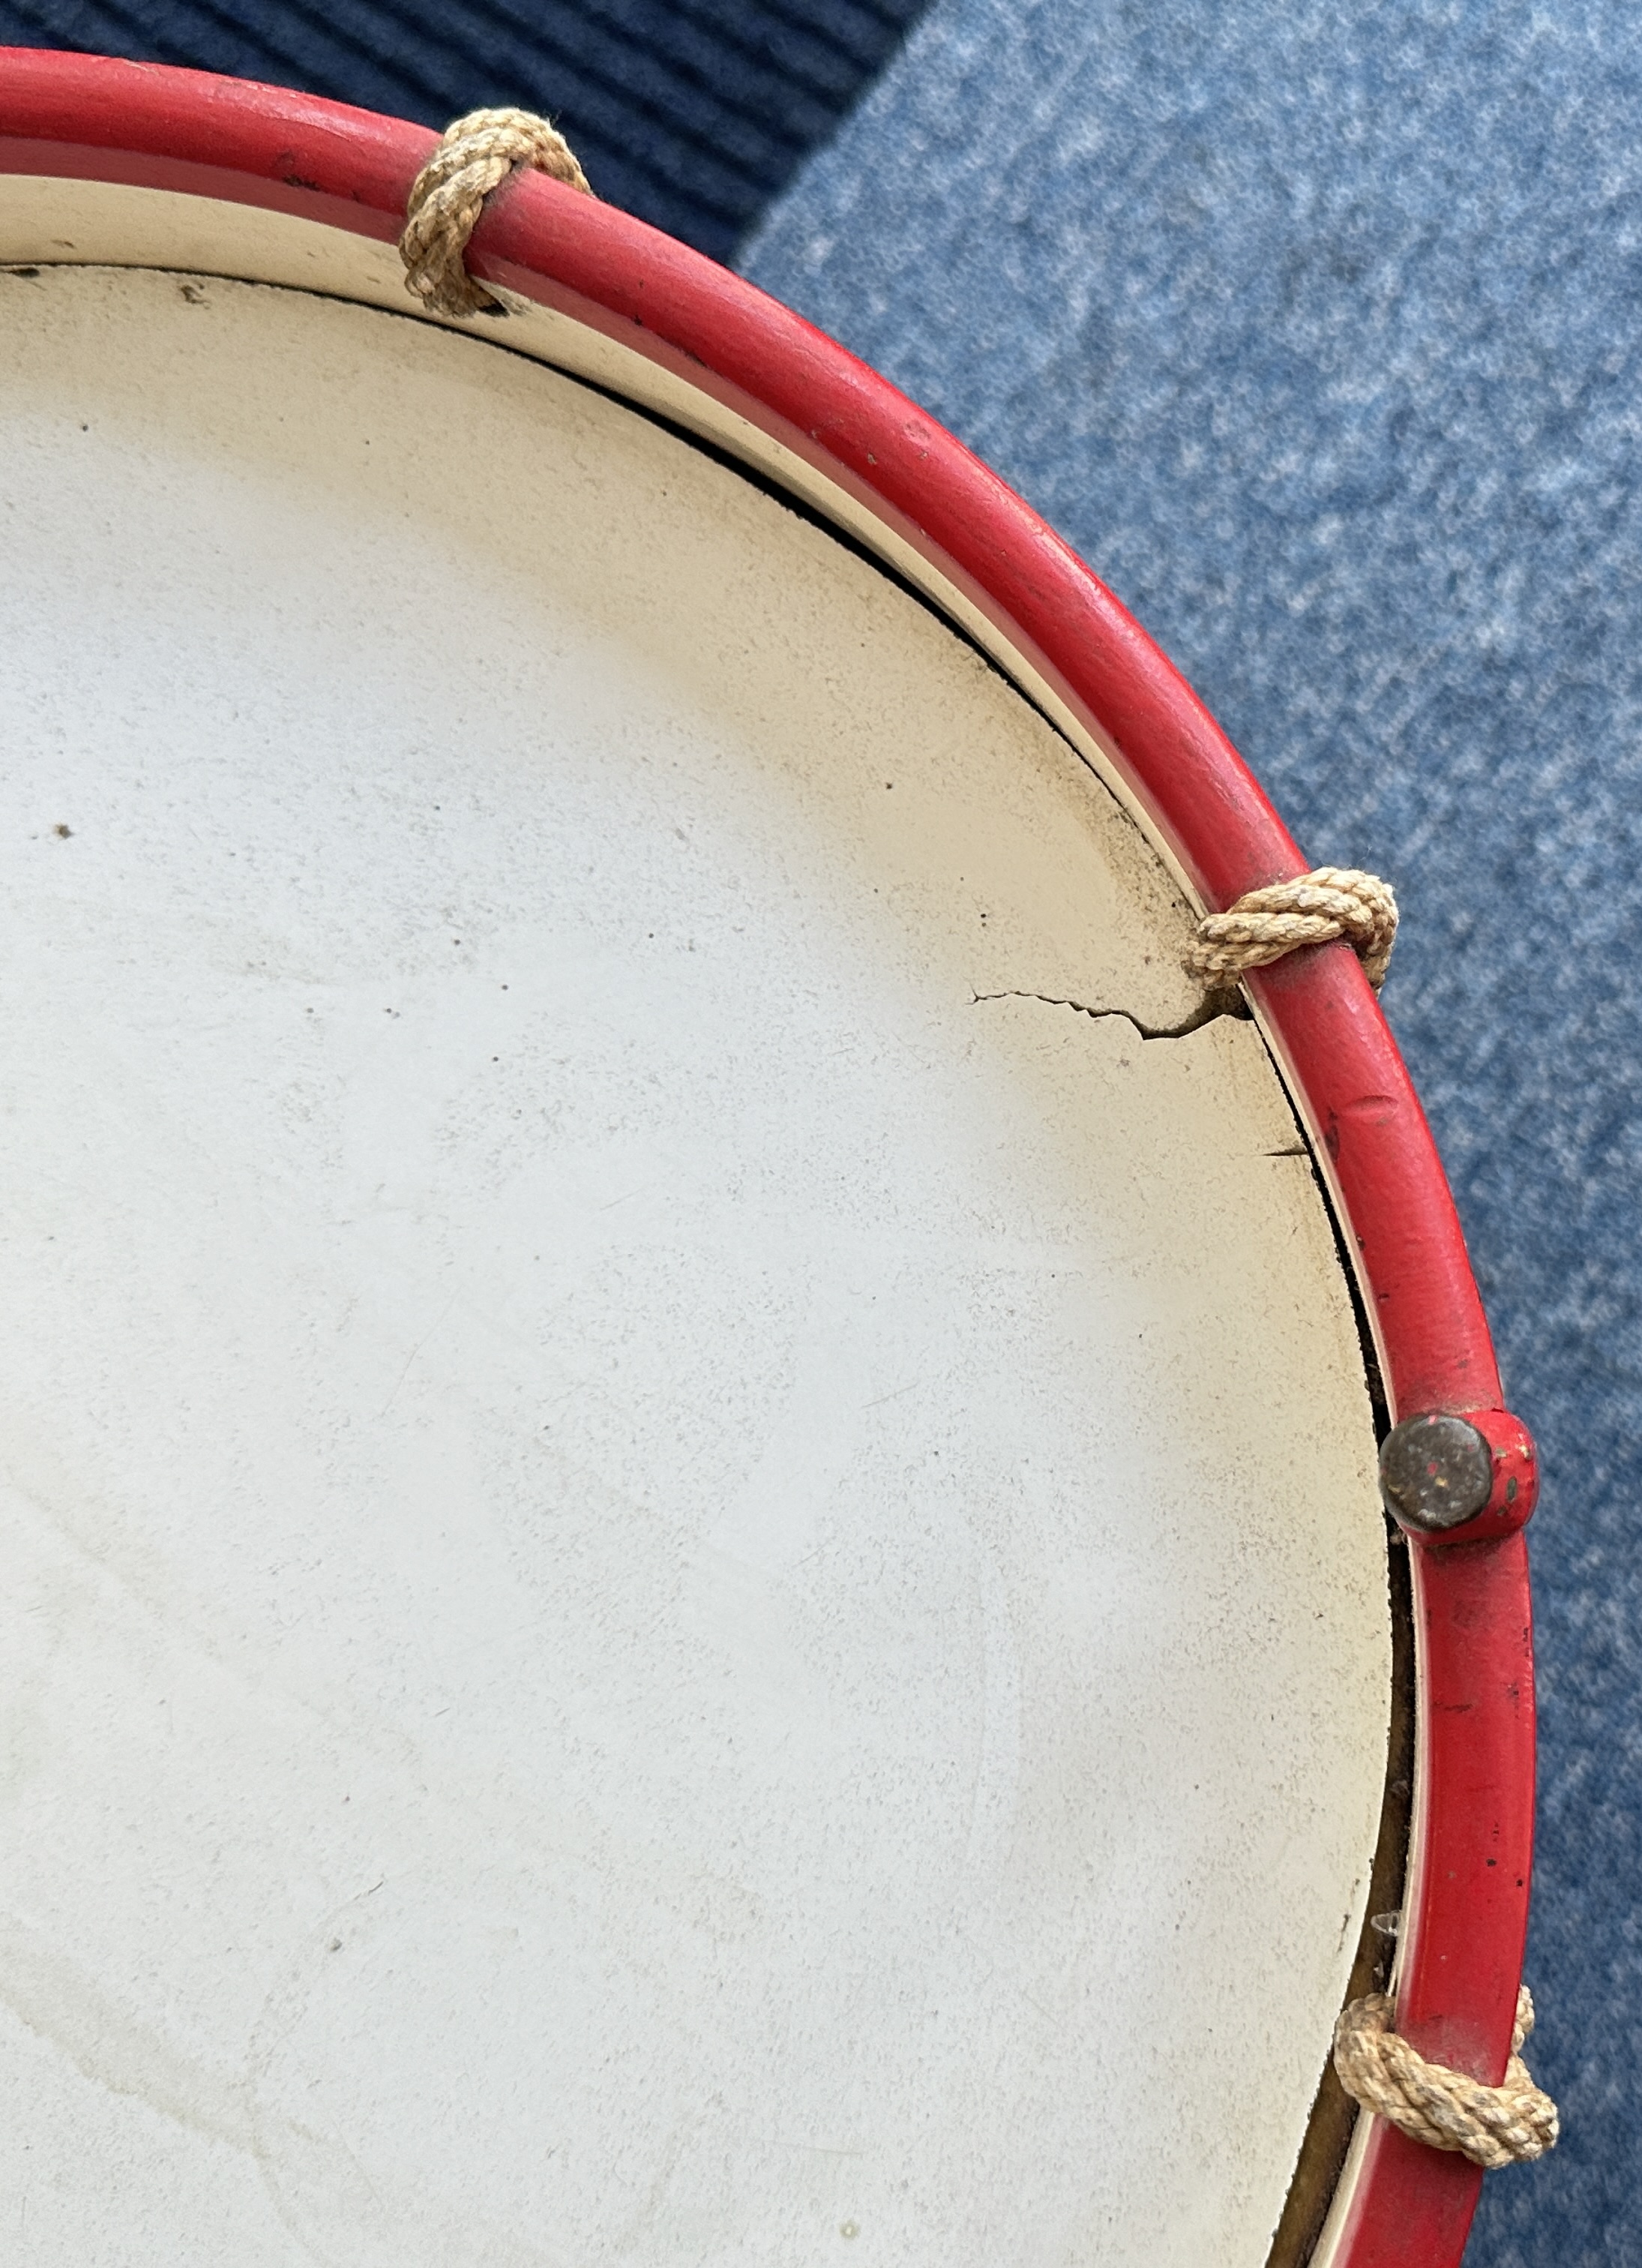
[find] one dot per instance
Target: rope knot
(1491, 2125)
(475, 156)
(1263, 925)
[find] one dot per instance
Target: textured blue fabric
(1318, 331)
(689, 113)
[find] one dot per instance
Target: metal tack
(1435, 1472)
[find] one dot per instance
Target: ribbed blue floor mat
(692, 113)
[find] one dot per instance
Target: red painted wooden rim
(91, 119)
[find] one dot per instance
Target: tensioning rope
(1492, 2125)
(1331, 901)
(475, 156)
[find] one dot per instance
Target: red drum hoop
(831, 431)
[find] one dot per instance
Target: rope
(476, 156)
(1265, 924)
(1492, 2125)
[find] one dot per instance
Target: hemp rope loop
(1492, 2125)
(475, 157)
(1331, 901)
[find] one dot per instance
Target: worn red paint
(89, 118)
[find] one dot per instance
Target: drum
(696, 1570)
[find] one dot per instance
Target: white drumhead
(692, 1578)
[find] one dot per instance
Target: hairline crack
(1212, 1005)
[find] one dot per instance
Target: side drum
(696, 1568)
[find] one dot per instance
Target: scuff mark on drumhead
(59, 2003)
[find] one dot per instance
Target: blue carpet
(692, 113)
(1318, 331)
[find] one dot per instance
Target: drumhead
(696, 1567)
